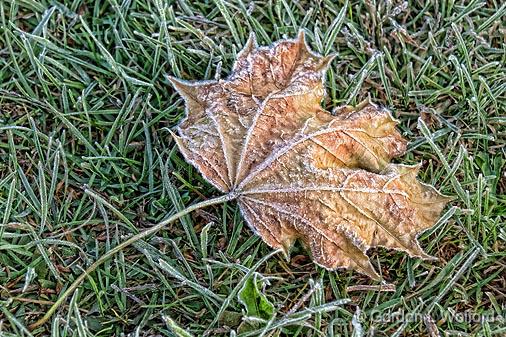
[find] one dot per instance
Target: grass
(87, 161)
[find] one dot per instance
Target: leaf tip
(249, 47)
(370, 272)
(185, 89)
(303, 46)
(325, 62)
(416, 251)
(173, 134)
(301, 37)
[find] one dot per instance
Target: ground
(87, 161)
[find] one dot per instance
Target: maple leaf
(299, 172)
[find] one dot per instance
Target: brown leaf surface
(298, 171)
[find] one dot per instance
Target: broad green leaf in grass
(254, 301)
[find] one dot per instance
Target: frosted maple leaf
(299, 172)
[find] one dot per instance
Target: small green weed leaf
(254, 301)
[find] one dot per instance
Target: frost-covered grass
(87, 161)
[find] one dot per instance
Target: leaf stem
(124, 244)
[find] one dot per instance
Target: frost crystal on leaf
(298, 171)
